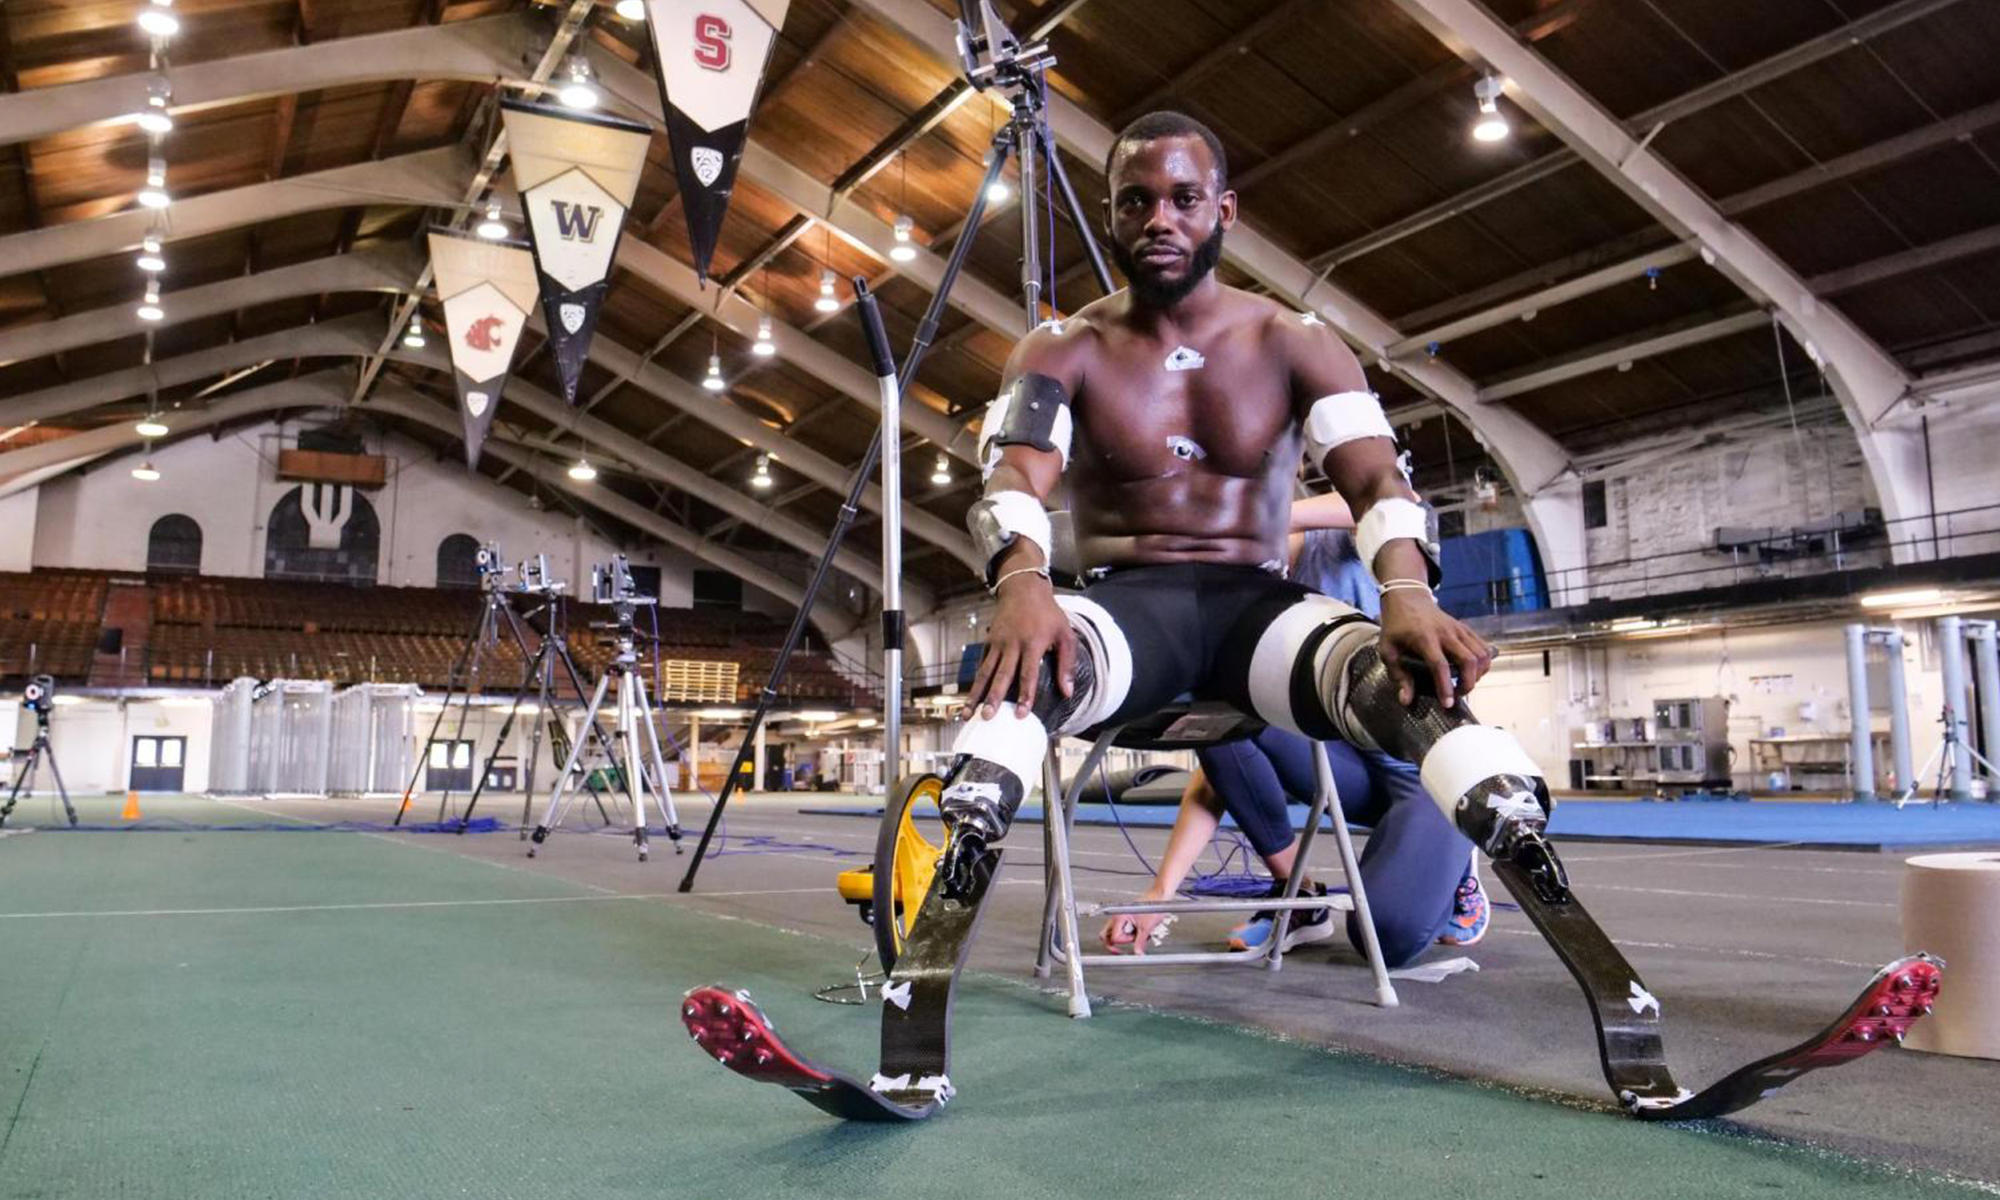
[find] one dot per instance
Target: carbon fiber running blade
(914, 1081)
(1627, 1016)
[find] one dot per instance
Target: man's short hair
(1165, 124)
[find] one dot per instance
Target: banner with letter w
(576, 175)
(488, 290)
(711, 55)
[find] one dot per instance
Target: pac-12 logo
(711, 42)
(576, 222)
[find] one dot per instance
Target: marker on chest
(1185, 358)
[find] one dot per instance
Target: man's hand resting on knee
(1027, 623)
(1416, 633)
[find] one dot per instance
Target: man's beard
(1166, 294)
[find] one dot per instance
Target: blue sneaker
(1470, 914)
(1306, 926)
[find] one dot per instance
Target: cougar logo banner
(576, 175)
(488, 289)
(712, 56)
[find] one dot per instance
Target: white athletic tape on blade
(938, 1086)
(1641, 1000)
(885, 1083)
(897, 994)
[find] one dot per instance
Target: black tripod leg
(430, 739)
(68, 808)
(14, 796)
(500, 741)
(850, 507)
(1074, 208)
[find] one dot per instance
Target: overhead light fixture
(150, 427)
(414, 336)
(154, 194)
(764, 346)
(632, 10)
(1631, 624)
(941, 475)
(722, 714)
(1903, 599)
(583, 472)
(493, 229)
(150, 259)
(146, 472)
(827, 301)
(998, 192)
(155, 118)
(149, 305)
(762, 479)
(712, 381)
(157, 21)
(903, 250)
(1491, 126)
(577, 91)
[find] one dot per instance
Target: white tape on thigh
(1016, 743)
(1280, 645)
(1467, 757)
(1342, 418)
(990, 427)
(1023, 516)
(1384, 522)
(1098, 636)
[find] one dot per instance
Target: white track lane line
(386, 904)
(1719, 951)
(1612, 887)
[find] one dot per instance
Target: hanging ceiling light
(154, 118)
(150, 259)
(157, 21)
(941, 474)
(632, 10)
(764, 347)
(154, 194)
(998, 192)
(827, 301)
(583, 472)
(713, 380)
(146, 472)
(903, 250)
(493, 229)
(1491, 126)
(150, 426)
(576, 91)
(149, 307)
(762, 479)
(414, 336)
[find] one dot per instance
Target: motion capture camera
(490, 565)
(40, 695)
(611, 583)
(535, 578)
(989, 52)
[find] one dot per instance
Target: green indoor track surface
(349, 1015)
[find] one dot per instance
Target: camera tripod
(992, 57)
(633, 745)
(1945, 758)
(26, 779)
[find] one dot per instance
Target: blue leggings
(1414, 858)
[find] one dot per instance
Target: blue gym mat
(1807, 824)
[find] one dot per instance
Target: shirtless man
(1176, 411)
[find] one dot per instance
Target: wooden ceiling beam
(1221, 55)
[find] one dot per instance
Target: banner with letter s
(712, 55)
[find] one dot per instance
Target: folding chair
(1185, 726)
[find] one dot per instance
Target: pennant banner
(576, 176)
(711, 56)
(488, 290)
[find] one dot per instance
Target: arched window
(174, 545)
(458, 564)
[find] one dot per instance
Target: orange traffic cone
(131, 812)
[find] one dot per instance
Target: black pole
(1078, 219)
(857, 487)
(450, 685)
